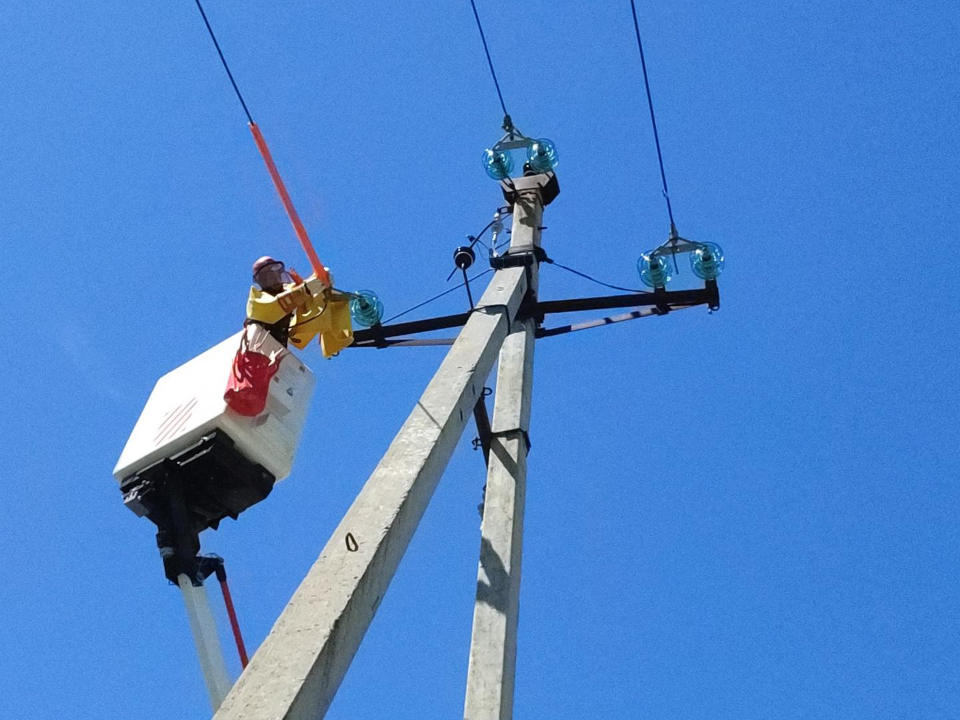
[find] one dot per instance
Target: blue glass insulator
(542, 156)
(655, 270)
(366, 308)
(707, 261)
(497, 164)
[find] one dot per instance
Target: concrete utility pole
(299, 667)
(493, 648)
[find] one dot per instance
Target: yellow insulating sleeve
(310, 319)
(269, 309)
(339, 333)
(263, 307)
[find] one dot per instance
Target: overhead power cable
(493, 73)
(224, 61)
(550, 261)
(298, 228)
(653, 117)
(437, 297)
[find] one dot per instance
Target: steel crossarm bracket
(379, 336)
(670, 298)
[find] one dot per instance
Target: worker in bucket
(273, 305)
(290, 310)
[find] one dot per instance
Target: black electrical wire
(591, 279)
(493, 72)
(653, 117)
(474, 240)
(224, 61)
(466, 282)
(436, 297)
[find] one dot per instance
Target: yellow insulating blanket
(326, 315)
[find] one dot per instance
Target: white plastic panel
(188, 402)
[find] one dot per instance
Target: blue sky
(750, 514)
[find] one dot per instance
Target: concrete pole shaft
(493, 647)
(299, 667)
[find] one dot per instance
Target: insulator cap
(654, 270)
(542, 156)
(366, 308)
(497, 164)
(707, 261)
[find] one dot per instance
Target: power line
(653, 117)
(224, 61)
(437, 297)
(591, 279)
(493, 73)
(301, 232)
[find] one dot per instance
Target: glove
(315, 286)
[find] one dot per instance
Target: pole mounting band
(512, 431)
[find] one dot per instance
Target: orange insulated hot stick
(298, 227)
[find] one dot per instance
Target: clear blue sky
(745, 515)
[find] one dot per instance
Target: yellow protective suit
(326, 315)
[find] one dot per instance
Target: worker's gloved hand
(290, 300)
(315, 286)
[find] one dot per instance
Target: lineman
(291, 310)
(274, 304)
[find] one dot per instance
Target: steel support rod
(298, 668)
(493, 646)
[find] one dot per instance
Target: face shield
(272, 275)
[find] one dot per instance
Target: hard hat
(263, 262)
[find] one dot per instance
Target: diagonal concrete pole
(493, 647)
(298, 669)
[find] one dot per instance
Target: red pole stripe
(288, 205)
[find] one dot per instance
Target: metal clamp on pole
(546, 183)
(524, 258)
(512, 432)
